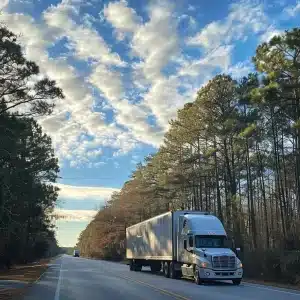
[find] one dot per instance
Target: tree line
(234, 151)
(28, 166)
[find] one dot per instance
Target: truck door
(182, 240)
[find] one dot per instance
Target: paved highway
(71, 278)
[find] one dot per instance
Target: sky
(125, 68)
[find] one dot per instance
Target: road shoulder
(14, 283)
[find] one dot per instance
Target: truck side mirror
(185, 244)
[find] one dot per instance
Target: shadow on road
(208, 283)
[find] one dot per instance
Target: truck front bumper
(209, 274)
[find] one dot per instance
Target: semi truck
(184, 244)
(76, 253)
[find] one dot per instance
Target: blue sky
(125, 68)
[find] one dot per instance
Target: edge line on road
(56, 296)
(273, 289)
(47, 269)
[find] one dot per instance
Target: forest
(234, 151)
(28, 166)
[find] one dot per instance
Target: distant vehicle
(76, 253)
(183, 243)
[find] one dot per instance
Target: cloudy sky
(125, 68)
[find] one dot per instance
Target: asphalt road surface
(70, 278)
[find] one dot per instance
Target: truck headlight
(240, 265)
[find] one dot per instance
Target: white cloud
(85, 41)
(191, 7)
(269, 34)
(121, 17)
(74, 116)
(74, 215)
(244, 16)
(134, 92)
(88, 44)
(240, 69)
(292, 11)
(129, 115)
(156, 42)
(108, 81)
(217, 58)
(3, 4)
(164, 99)
(84, 192)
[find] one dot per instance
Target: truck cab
(204, 250)
(76, 253)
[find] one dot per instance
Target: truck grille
(223, 262)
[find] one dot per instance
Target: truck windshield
(208, 241)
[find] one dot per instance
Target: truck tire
(137, 268)
(131, 266)
(173, 273)
(236, 281)
(197, 278)
(167, 269)
(155, 267)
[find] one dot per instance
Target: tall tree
(20, 86)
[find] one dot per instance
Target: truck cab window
(208, 241)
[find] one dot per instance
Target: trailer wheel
(173, 273)
(167, 269)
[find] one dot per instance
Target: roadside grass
(273, 284)
(10, 293)
(26, 274)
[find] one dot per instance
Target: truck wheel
(131, 266)
(138, 268)
(155, 267)
(236, 281)
(197, 278)
(173, 273)
(167, 269)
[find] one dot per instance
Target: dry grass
(24, 273)
(274, 284)
(12, 294)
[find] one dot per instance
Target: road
(70, 278)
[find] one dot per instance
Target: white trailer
(183, 243)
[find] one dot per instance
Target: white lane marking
(272, 289)
(56, 297)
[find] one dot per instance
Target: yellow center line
(163, 291)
